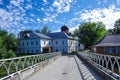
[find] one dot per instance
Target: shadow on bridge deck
(67, 67)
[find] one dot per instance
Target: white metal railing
(12, 65)
(109, 64)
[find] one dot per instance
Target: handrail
(108, 63)
(13, 65)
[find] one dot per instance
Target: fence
(107, 63)
(12, 66)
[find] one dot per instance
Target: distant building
(44, 43)
(108, 45)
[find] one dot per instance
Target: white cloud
(45, 2)
(1, 2)
(99, 2)
(50, 18)
(39, 20)
(107, 15)
(28, 6)
(42, 9)
(11, 19)
(62, 5)
(15, 3)
(105, 1)
(73, 28)
(118, 2)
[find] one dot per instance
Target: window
(63, 50)
(36, 51)
(23, 43)
(56, 50)
(32, 51)
(109, 50)
(19, 44)
(19, 51)
(36, 43)
(27, 43)
(27, 51)
(62, 42)
(44, 42)
(117, 49)
(32, 43)
(56, 42)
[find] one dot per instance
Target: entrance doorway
(46, 49)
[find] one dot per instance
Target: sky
(17, 15)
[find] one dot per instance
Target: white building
(52, 42)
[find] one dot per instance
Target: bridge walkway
(66, 68)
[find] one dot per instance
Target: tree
(8, 44)
(25, 31)
(90, 33)
(116, 29)
(37, 31)
(45, 30)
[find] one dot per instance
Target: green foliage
(90, 33)
(3, 53)
(10, 54)
(8, 44)
(116, 29)
(26, 31)
(45, 30)
(37, 31)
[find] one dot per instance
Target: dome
(64, 28)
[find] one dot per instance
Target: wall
(100, 50)
(60, 45)
(73, 45)
(44, 43)
(29, 46)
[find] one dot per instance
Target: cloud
(105, 1)
(50, 18)
(16, 2)
(1, 2)
(73, 28)
(11, 19)
(107, 15)
(45, 2)
(38, 20)
(118, 2)
(62, 5)
(28, 6)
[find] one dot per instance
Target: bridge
(55, 66)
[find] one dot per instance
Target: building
(34, 43)
(44, 43)
(62, 42)
(108, 45)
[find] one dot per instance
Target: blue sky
(17, 15)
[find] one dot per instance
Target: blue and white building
(43, 43)
(33, 43)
